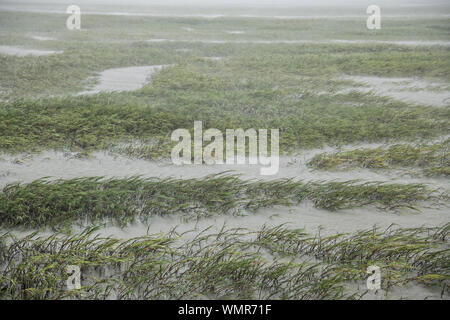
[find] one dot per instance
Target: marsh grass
(40, 112)
(432, 159)
(404, 255)
(62, 202)
(94, 123)
(291, 87)
(232, 263)
(153, 267)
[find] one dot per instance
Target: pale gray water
(22, 52)
(305, 215)
(410, 90)
(43, 38)
(123, 79)
(56, 164)
(148, 11)
(235, 32)
(60, 165)
(335, 41)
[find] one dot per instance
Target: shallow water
(25, 168)
(189, 231)
(235, 32)
(21, 52)
(304, 216)
(56, 164)
(214, 58)
(123, 79)
(412, 43)
(332, 41)
(43, 38)
(144, 12)
(409, 291)
(410, 90)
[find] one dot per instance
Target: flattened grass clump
(157, 148)
(62, 202)
(433, 159)
(419, 255)
(35, 267)
(153, 267)
(223, 265)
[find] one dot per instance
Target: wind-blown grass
(153, 267)
(62, 202)
(89, 123)
(404, 255)
(298, 95)
(433, 159)
(233, 263)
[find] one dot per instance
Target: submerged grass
(233, 263)
(404, 255)
(433, 159)
(62, 202)
(154, 267)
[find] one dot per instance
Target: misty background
(252, 3)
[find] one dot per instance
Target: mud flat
(123, 79)
(21, 52)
